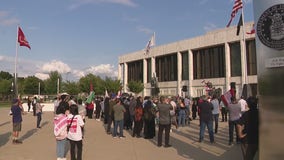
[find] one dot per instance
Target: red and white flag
(237, 5)
(226, 97)
(150, 44)
(252, 31)
(22, 39)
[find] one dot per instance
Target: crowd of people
(141, 116)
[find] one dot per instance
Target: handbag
(69, 125)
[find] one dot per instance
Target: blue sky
(77, 37)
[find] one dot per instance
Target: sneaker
(167, 145)
(17, 142)
(122, 137)
(114, 136)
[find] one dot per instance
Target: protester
(90, 108)
(118, 111)
(194, 109)
(132, 106)
(98, 108)
(182, 112)
(206, 119)
(234, 109)
(16, 112)
(74, 132)
(38, 112)
(215, 111)
(149, 120)
(106, 109)
(138, 121)
(224, 112)
(29, 103)
(244, 105)
(248, 130)
(164, 121)
(60, 132)
(110, 120)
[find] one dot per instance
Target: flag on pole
(252, 31)
(106, 93)
(237, 5)
(226, 97)
(22, 39)
(90, 97)
(240, 23)
(150, 44)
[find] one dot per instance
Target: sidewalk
(39, 144)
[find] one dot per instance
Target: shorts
(17, 127)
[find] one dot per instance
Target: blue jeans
(181, 117)
(209, 125)
(232, 126)
(117, 124)
(38, 119)
(216, 120)
(60, 148)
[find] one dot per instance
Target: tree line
(32, 85)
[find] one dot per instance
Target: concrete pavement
(39, 144)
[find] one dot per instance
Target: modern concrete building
(219, 56)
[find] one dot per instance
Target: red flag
(226, 97)
(237, 5)
(252, 31)
(22, 39)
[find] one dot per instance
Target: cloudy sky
(77, 37)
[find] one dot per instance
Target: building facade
(181, 68)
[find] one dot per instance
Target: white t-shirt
(243, 105)
(75, 131)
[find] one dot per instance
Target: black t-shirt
(250, 121)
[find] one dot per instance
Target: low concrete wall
(47, 107)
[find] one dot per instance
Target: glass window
(251, 57)
(135, 71)
(209, 62)
(235, 58)
(166, 68)
(185, 66)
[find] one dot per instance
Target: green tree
(31, 84)
(71, 88)
(5, 89)
(5, 75)
(51, 83)
(96, 81)
(135, 87)
(112, 85)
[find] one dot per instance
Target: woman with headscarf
(138, 121)
(149, 120)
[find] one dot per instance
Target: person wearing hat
(16, 111)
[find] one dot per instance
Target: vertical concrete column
(179, 73)
(119, 72)
(227, 67)
(153, 66)
(125, 79)
(190, 74)
(243, 61)
(144, 76)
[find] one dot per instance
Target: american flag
(150, 44)
(237, 5)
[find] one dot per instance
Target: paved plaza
(40, 144)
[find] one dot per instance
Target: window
(149, 70)
(135, 71)
(166, 68)
(235, 58)
(251, 57)
(185, 66)
(209, 62)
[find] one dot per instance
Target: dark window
(235, 58)
(251, 57)
(166, 68)
(135, 71)
(185, 66)
(149, 70)
(209, 62)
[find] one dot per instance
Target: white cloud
(145, 30)
(56, 65)
(103, 70)
(42, 76)
(7, 20)
(209, 27)
(79, 3)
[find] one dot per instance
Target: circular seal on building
(270, 27)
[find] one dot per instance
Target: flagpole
(16, 61)
(244, 49)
